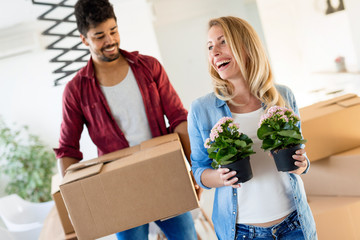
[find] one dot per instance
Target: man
(122, 98)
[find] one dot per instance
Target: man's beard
(111, 58)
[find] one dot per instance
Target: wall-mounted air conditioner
(18, 39)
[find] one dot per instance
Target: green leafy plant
(278, 129)
(26, 163)
(227, 144)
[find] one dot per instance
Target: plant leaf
(264, 131)
(290, 133)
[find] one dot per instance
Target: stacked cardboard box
(333, 132)
(331, 126)
(333, 189)
(336, 217)
(129, 188)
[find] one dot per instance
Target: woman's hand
(228, 177)
(300, 161)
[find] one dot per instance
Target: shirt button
(234, 213)
(233, 230)
(234, 194)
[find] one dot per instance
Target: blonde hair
(251, 57)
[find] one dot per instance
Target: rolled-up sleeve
(293, 105)
(71, 126)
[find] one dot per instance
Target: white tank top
(267, 196)
(127, 107)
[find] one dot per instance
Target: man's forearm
(64, 163)
(181, 129)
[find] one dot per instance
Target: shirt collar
(88, 70)
(219, 103)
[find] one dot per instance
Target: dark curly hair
(90, 13)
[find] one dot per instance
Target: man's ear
(83, 39)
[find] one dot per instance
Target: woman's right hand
(228, 177)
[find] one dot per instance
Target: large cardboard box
(60, 207)
(336, 217)
(331, 126)
(129, 188)
(338, 175)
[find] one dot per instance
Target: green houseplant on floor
(26, 163)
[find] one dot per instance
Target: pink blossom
(206, 144)
(214, 135)
(285, 118)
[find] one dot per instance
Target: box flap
(329, 106)
(159, 140)
(337, 99)
(82, 173)
(104, 158)
(91, 167)
(124, 152)
(349, 102)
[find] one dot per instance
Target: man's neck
(111, 73)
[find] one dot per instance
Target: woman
(272, 205)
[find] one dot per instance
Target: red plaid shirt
(85, 104)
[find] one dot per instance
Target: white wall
(303, 43)
(181, 30)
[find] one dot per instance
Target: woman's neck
(243, 101)
(242, 104)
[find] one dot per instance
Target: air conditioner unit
(18, 39)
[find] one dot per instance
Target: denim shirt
(203, 114)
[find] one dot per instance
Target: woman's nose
(215, 51)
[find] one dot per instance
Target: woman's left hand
(301, 161)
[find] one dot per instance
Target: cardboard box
(338, 175)
(129, 188)
(331, 126)
(336, 217)
(60, 206)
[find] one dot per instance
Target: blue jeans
(288, 229)
(177, 228)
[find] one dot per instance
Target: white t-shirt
(267, 196)
(127, 107)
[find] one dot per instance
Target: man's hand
(198, 189)
(64, 163)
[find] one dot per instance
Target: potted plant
(229, 148)
(280, 134)
(26, 163)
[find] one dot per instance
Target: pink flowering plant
(227, 144)
(278, 129)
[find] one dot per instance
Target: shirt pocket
(96, 116)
